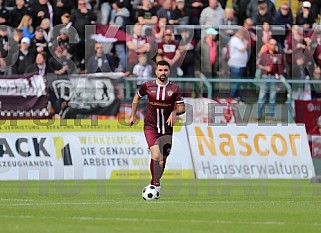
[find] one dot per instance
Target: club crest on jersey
(170, 93)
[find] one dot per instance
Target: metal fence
(205, 86)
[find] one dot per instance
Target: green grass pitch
(248, 206)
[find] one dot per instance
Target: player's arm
(180, 108)
(135, 105)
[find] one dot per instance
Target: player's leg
(160, 146)
(156, 165)
(151, 136)
(160, 152)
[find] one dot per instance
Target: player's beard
(162, 78)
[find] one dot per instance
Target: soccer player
(164, 103)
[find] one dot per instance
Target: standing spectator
(41, 9)
(187, 48)
(26, 26)
(240, 7)
(312, 41)
(304, 16)
(206, 55)
(45, 25)
(39, 43)
(121, 16)
(262, 15)
(137, 45)
(213, 15)
(100, 61)
(18, 12)
(166, 11)
(25, 57)
(40, 67)
(4, 13)
(196, 9)
(105, 10)
(121, 19)
(129, 6)
(159, 29)
(271, 65)
(81, 17)
(227, 32)
(293, 47)
(4, 48)
(59, 64)
(59, 8)
(316, 88)
(283, 17)
(300, 91)
(265, 35)
(65, 23)
(142, 71)
(316, 8)
(183, 12)
(64, 41)
(238, 47)
(251, 64)
(65, 19)
(4, 42)
(252, 8)
(14, 47)
(169, 48)
(230, 17)
(317, 49)
(147, 14)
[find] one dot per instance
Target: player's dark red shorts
(154, 138)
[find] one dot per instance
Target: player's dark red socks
(156, 169)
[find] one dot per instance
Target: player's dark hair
(163, 63)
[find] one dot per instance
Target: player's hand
(171, 119)
(132, 119)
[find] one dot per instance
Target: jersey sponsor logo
(154, 103)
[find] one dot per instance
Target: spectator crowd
(49, 36)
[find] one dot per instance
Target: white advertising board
(251, 151)
(107, 151)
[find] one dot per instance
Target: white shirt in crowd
(238, 58)
(142, 73)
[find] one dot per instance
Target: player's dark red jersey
(161, 100)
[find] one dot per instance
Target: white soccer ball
(150, 193)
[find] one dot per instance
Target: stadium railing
(221, 89)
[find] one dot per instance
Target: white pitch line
(15, 199)
(134, 202)
(193, 221)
